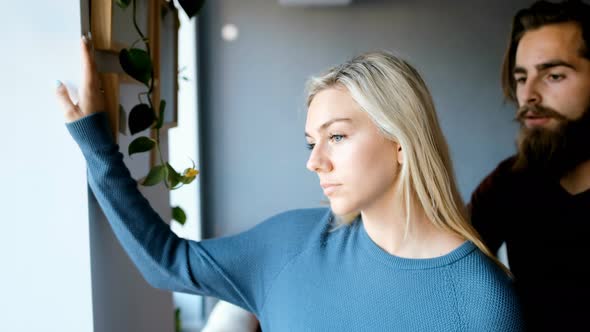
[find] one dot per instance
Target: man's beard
(552, 152)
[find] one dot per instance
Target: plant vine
(137, 63)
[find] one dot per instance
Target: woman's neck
(386, 226)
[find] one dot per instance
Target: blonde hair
(397, 100)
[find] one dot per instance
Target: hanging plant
(137, 63)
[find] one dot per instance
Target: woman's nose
(318, 161)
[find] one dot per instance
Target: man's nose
(529, 93)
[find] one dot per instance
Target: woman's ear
(400, 154)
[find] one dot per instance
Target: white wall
(62, 268)
(45, 282)
(184, 142)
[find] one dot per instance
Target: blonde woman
(394, 252)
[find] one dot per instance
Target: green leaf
(178, 215)
(141, 144)
(173, 176)
(160, 121)
(123, 3)
(141, 117)
(137, 64)
(177, 321)
(155, 176)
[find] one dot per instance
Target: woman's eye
(336, 138)
(310, 146)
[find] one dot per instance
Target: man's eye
(520, 80)
(336, 138)
(556, 77)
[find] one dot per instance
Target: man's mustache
(537, 111)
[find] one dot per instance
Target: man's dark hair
(537, 15)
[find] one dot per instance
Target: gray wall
(121, 298)
(252, 114)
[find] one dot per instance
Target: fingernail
(87, 37)
(57, 83)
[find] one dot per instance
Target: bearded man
(537, 202)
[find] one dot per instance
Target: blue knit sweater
(294, 271)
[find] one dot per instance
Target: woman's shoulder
(479, 270)
(486, 295)
(300, 216)
(476, 277)
(293, 225)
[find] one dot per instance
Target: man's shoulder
(499, 184)
(505, 167)
(502, 174)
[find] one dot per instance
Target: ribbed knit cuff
(92, 131)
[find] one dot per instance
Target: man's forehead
(554, 41)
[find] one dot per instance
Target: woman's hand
(91, 99)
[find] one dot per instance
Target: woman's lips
(329, 188)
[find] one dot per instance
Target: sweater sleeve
(227, 268)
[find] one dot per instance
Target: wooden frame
(129, 91)
(121, 95)
(110, 85)
(164, 24)
(113, 30)
(112, 27)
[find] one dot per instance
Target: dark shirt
(547, 236)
